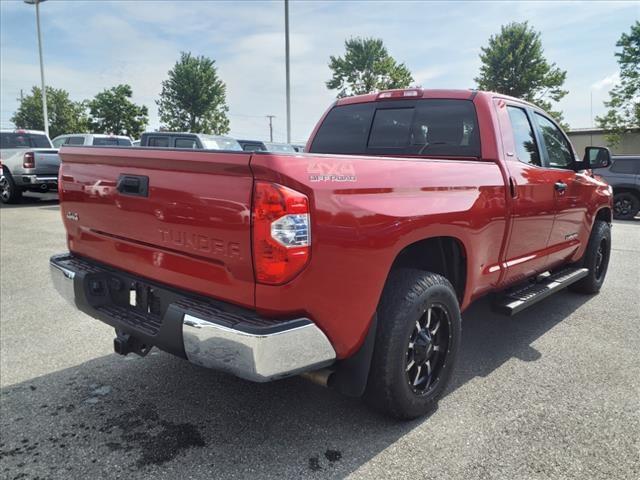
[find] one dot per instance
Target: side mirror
(597, 157)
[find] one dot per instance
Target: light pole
(44, 91)
(286, 53)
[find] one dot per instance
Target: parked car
(351, 263)
(29, 163)
(252, 145)
(624, 177)
(188, 140)
(260, 146)
(88, 139)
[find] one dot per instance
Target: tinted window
(402, 127)
(391, 128)
(186, 143)
(625, 165)
(523, 137)
(125, 142)
(558, 150)
(253, 147)
(23, 140)
(159, 142)
(345, 129)
(76, 141)
(58, 142)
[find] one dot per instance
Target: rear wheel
(596, 259)
(625, 206)
(9, 193)
(416, 346)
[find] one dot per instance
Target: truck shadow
(139, 417)
(31, 199)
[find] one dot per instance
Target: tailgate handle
(137, 185)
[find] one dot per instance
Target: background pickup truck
(28, 162)
(350, 263)
(624, 177)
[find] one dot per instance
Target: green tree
(513, 63)
(112, 111)
(193, 98)
(65, 115)
(624, 98)
(366, 67)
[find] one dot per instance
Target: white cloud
(606, 82)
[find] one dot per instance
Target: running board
(514, 301)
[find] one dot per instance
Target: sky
(93, 45)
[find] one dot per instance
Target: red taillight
(281, 232)
(29, 160)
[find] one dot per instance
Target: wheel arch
(444, 255)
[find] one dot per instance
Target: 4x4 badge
(72, 216)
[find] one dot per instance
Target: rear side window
(77, 141)
(186, 143)
(422, 127)
(23, 140)
(523, 137)
(626, 165)
(159, 142)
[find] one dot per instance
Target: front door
(532, 194)
(572, 191)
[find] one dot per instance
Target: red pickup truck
(350, 264)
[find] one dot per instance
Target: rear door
(177, 217)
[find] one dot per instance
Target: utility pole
(271, 117)
(286, 52)
(44, 90)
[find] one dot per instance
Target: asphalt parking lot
(552, 393)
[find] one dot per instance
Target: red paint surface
(202, 200)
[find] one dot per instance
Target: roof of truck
(413, 93)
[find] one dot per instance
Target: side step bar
(514, 301)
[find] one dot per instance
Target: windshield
(23, 140)
(220, 143)
(401, 127)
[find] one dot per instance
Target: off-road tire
(407, 297)
(596, 259)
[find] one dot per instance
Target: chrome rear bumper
(213, 334)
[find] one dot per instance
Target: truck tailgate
(181, 218)
(47, 162)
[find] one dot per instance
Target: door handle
(560, 186)
(137, 185)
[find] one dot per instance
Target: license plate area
(138, 297)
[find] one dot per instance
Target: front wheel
(596, 259)
(417, 342)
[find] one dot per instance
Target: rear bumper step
(514, 301)
(207, 332)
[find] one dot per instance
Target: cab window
(559, 152)
(523, 137)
